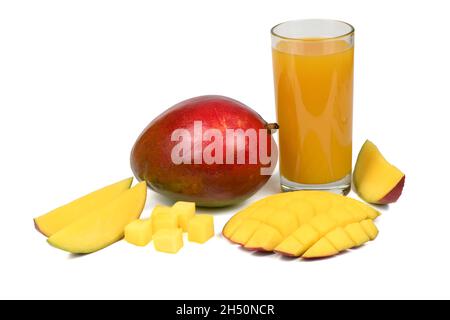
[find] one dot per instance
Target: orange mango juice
(314, 90)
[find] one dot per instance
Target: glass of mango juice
(313, 76)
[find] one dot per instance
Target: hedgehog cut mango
(308, 224)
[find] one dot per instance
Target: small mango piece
(370, 228)
(340, 239)
(290, 247)
(201, 228)
(357, 233)
(265, 238)
(232, 226)
(184, 211)
(168, 240)
(307, 235)
(299, 241)
(163, 218)
(245, 231)
(322, 248)
(139, 232)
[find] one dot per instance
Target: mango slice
(375, 179)
(55, 220)
(103, 226)
(310, 224)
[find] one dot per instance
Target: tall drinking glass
(313, 75)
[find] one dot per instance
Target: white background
(79, 80)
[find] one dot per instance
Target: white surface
(79, 80)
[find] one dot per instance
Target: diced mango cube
(168, 240)
(139, 232)
(184, 211)
(201, 228)
(163, 218)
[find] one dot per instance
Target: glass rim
(352, 31)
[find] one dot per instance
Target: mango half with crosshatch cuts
(308, 224)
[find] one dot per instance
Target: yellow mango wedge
(103, 226)
(308, 224)
(55, 220)
(375, 179)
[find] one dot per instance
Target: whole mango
(211, 150)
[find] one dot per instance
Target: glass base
(340, 187)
